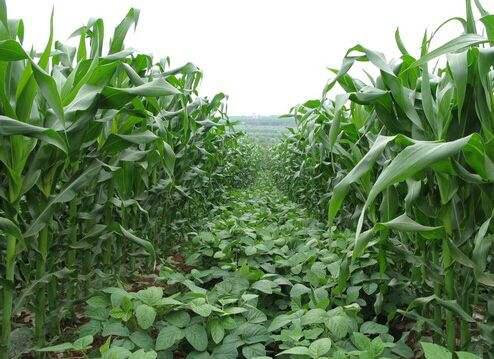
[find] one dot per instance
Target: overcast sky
(267, 55)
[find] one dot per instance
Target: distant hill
(265, 129)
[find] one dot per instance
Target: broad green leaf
(116, 352)
(465, 355)
(314, 316)
(458, 65)
(488, 22)
(361, 341)
(169, 159)
(116, 143)
(373, 328)
(335, 124)
(10, 228)
(11, 50)
(93, 327)
(254, 351)
(225, 351)
(83, 343)
(320, 347)
(298, 290)
(296, 351)
(200, 307)
(198, 355)
(265, 286)
(197, 336)
(142, 340)
(338, 326)
(179, 318)
(141, 354)
(167, 337)
(434, 351)
(150, 296)
(399, 43)
(145, 316)
(482, 245)
(279, 322)
(451, 305)
(404, 223)
(216, 330)
(115, 329)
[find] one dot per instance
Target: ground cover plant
(262, 280)
(137, 222)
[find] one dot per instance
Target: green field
(137, 223)
(264, 129)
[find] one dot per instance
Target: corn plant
(104, 153)
(405, 159)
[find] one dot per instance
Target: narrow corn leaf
(451, 305)
(3, 14)
(401, 223)
(112, 97)
(141, 242)
(9, 127)
(361, 168)
(118, 142)
(335, 125)
(471, 28)
(65, 195)
(117, 42)
(482, 245)
(399, 43)
(458, 65)
(11, 50)
(459, 43)
(488, 22)
(10, 228)
(408, 162)
(404, 223)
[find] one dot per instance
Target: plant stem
(449, 288)
(124, 248)
(40, 310)
(465, 328)
(53, 303)
(8, 294)
(437, 291)
(107, 254)
(71, 290)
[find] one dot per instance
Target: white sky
(267, 55)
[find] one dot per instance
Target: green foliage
(119, 190)
(404, 159)
(260, 279)
(434, 351)
(107, 158)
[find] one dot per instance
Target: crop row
(104, 154)
(406, 160)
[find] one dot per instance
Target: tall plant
(406, 159)
(104, 152)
